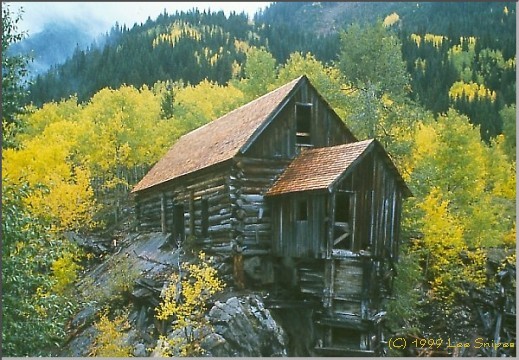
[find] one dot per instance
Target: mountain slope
(191, 46)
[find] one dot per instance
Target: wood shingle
(316, 169)
(217, 141)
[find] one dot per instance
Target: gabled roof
(316, 169)
(319, 169)
(217, 141)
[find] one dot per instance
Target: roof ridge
(346, 145)
(250, 103)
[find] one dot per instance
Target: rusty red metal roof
(317, 169)
(217, 141)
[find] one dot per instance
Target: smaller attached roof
(317, 169)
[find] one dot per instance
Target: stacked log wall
(210, 187)
(249, 181)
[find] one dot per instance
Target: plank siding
(299, 238)
(278, 141)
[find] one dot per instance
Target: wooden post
(331, 224)
(163, 213)
(192, 213)
(354, 218)
(238, 273)
(329, 265)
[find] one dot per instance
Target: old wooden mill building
(284, 183)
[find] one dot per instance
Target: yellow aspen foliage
(502, 178)
(391, 20)
(178, 30)
(36, 120)
(69, 203)
(185, 301)
(470, 40)
(464, 202)
(207, 101)
(417, 39)
(436, 40)
(62, 191)
(420, 64)
(443, 243)
(386, 100)
(509, 239)
(470, 90)
(241, 46)
(235, 69)
(109, 341)
(65, 272)
(426, 143)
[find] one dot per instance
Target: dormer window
(303, 124)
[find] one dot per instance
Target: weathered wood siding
(249, 181)
(155, 209)
(278, 140)
(378, 206)
(299, 238)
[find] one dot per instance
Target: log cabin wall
(202, 203)
(250, 179)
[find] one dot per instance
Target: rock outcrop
(240, 324)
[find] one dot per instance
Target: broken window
(303, 124)
(343, 225)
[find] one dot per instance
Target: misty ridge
(58, 41)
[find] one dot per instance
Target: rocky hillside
(131, 279)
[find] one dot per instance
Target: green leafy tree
(14, 75)
(33, 313)
(508, 115)
(327, 79)
(260, 73)
(371, 59)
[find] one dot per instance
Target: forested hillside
(438, 91)
(459, 54)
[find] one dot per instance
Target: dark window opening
(342, 209)
(303, 124)
(205, 217)
(178, 223)
(345, 337)
(343, 228)
(302, 210)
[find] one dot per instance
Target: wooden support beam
(163, 213)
